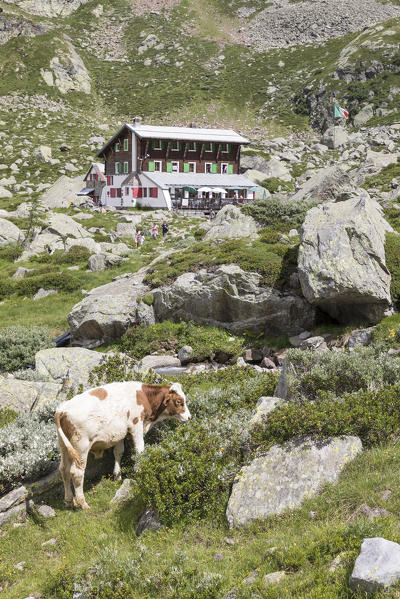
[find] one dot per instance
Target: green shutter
(180, 145)
(214, 169)
(163, 144)
(196, 146)
(151, 166)
(229, 147)
(230, 169)
(186, 167)
(126, 145)
(126, 167)
(153, 143)
(120, 167)
(169, 167)
(213, 147)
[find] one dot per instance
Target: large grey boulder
(49, 8)
(106, 312)
(341, 260)
(24, 396)
(63, 192)
(287, 475)
(326, 185)
(334, 137)
(86, 242)
(9, 233)
(373, 164)
(231, 222)
(68, 365)
(377, 567)
(364, 115)
(65, 226)
(233, 299)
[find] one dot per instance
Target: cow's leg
(78, 475)
(65, 471)
(136, 432)
(118, 451)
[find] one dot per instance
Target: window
(118, 168)
(208, 167)
(113, 192)
(224, 168)
(126, 191)
(117, 146)
(144, 192)
(126, 167)
(110, 180)
(207, 147)
(175, 167)
(119, 192)
(157, 144)
(154, 192)
(158, 166)
(126, 145)
(192, 146)
(224, 147)
(175, 145)
(189, 167)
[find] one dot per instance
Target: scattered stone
(123, 493)
(43, 154)
(251, 579)
(159, 362)
(185, 354)
(20, 273)
(377, 567)
(334, 137)
(46, 511)
(149, 520)
(364, 115)
(315, 343)
(9, 233)
(360, 337)
(231, 223)
(340, 561)
(20, 566)
(44, 293)
(50, 542)
(274, 578)
(386, 494)
(268, 363)
(97, 262)
(264, 406)
(229, 541)
(372, 513)
(218, 557)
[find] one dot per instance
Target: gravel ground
(289, 24)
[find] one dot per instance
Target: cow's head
(175, 404)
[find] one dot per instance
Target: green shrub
(76, 253)
(312, 375)
(188, 475)
(118, 367)
(388, 331)
(374, 416)
(275, 212)
(384, 177)
(273, 184)
(62, 281)
(148, 299)
(392, 252)
(274, 262)
(169, 336)
(11, 252)
(7, 416)
(268, 236)
(19, 344)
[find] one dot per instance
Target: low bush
(77, 253)
(11, 252)
(116, 576)
(19, 344)
(7, 416)
(384, 177)
(275, 262)
(275, 212)
(374, 416)
(62, 281)
(28, 447)
(168, 336)
(392, 252)
(388, 331)
(312, 375)
(273, 184)
(188, 475)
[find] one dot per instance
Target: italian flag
(341, 113)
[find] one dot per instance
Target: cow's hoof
(69, 505)
(85, 506)
(117, 476)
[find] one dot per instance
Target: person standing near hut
(164, 228)
(154, 231)
(137, 238)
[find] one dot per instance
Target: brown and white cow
(101, 418)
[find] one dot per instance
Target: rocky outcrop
(326, 185)
(67, 72)
(341, 260)
(377, 567)
(334, 137)
(106, 312)
(49, 8)
(9, 233)
(233, 299)
(70, 366)
(230, 223)
(287, 475)
(285, 23)
(13, 26)
(24, 396)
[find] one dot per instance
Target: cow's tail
(66, 442)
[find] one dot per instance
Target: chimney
(137, 120)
